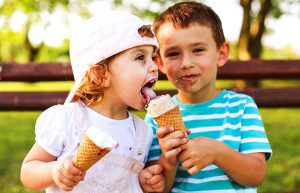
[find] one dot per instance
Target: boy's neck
(196, 98)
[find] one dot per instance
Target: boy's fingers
(188, 131)
(194, 169)
(173, 143)
(163, 131)
(172, 153)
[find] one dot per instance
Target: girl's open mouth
(147, 91)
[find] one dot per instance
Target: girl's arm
(41, 170)
(36, 171)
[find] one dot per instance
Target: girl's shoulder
(58, 116)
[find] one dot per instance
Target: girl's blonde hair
(91, 90)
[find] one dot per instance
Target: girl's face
(190, 58)
(130, 71)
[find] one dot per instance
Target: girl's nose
(153, 67)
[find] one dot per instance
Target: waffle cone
(88, 154)
(171, 118)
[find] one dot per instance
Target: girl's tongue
(148, 94)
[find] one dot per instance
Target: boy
(227, 148)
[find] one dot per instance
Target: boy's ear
(223, 54)
(158, 61)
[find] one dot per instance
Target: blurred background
(39, 31)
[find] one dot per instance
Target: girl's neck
(112, 111)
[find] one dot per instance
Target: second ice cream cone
(171, 118)
(165, 112)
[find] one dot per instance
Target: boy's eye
(196, 50)
(172, 54)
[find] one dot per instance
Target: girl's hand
(151, 179)
(66, 175)
(170, 142)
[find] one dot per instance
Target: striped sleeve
(253, 135)
(155, 150)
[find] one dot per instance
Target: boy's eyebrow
(193, 44)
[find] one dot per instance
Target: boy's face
(189, 57)
(129, 72)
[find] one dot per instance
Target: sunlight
(18, 20)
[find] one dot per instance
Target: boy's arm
(41, 170)
(170, 142)
(245, 169)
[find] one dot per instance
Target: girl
(113, 69)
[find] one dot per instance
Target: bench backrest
(233, 70)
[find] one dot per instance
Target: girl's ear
(223, 54)
(104, 81)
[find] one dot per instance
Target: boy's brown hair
(184, 14)
(91, 90)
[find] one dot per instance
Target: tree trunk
(257, 29)
(249, 44)
(31, 50)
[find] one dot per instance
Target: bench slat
(252, 69)
(9, 101)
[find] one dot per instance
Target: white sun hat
(101, 37)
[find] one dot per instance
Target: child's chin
(139, 107)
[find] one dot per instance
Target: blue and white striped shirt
(231, 118)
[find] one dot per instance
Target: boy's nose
(186, 62)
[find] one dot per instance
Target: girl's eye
(154, 58)
(140, 57)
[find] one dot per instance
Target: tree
(37, 12)
(253, 27)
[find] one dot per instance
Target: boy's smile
(190, 58)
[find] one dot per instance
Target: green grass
(282, 126)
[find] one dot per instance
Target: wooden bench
(233, 70)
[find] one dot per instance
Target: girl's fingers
(155, 169)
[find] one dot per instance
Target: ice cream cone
(171, 118)
(88, 154)
(166, 113)
(94, 146)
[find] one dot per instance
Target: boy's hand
(170, 142)
(66, 175)
(151, 179)
(197, 153)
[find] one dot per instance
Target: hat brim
(72, 92)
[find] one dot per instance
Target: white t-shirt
(57, 132)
